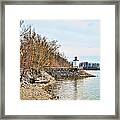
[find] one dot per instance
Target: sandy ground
(36, 91)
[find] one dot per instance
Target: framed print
(59, 59)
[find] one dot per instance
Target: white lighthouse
(76, 63)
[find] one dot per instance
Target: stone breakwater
(41, 87)
(68, 73)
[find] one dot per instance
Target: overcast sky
(77, 37)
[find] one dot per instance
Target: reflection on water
(85, 89)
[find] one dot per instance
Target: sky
(79, 38)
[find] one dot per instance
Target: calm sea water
(85, 89)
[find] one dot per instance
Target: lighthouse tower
(76, 63)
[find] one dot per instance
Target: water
(85, 89)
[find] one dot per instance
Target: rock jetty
(68, 73)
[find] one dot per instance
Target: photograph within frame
(48, 69)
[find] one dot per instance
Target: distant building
(76, 63)
(89, 66)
